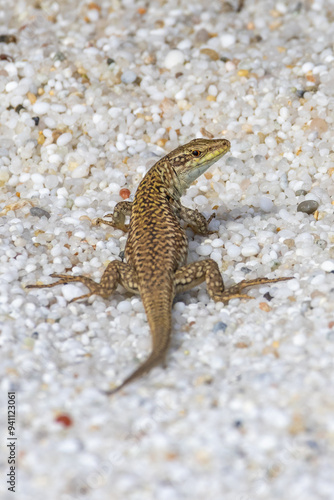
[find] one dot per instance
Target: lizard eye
(196, 153)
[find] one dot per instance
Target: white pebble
(266, 204)
(218, 242)
(328, 266)
(180, 95)
(227, 40)
(64, 139)
(71, 291)
(37, 178)
(11, 86)
(299, 339)
(212, 90)
(270, 142)
(40, 108)
(187, 118)
(128, 76)
(80, 171)
(79, 108)
(51, 181)
(59, 108)
(204, 250)
(308, 66)
(233, 251)
(230, 66)
(293, 285)
(80, 234)
(250, 249)
(284, 113)
(173, 58)
(81, 201)
(201, 200)
(120, 146)
(124, 306)
(55, 159)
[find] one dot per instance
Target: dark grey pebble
(39, 212)
(301, 192)
(219, 326)
(308, 206)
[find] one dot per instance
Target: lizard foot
(234, 292)
(118, 225)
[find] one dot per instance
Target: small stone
(328, 266)
(227, 40)
(266, 204)
(81, 201)
(64, 139)
(301, 192)
(41, 108)
(220, 326)
(128, 77)
(300, 93)
(308, 66)
(319, 124)
(32, 98)
(80, 171)
(36, 120)
(124, 306)
(202, 36)
(64, 420)
(124, 193)
(59, 56)
(39, 212)
(71, 291)
(51, 181)
(243, 72)
(250, 249)
(19, 108)
(330, 336)
(308, 206)
(214, 56)
(79, 108)
(173, 58)
(321, 243)
(201, 200)
(233, 251)
(204, 250)
(11, 86)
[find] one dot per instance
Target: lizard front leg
(196, 221)
(193, 274)
(116, 272)
(121, 210)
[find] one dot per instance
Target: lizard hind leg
(207, 270)
(116, 272)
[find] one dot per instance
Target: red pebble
(124, 193)
(65, 420)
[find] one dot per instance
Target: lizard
(157, 246)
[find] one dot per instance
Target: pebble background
(91, 95)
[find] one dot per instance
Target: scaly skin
(156, 248)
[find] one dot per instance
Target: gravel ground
(92, 94)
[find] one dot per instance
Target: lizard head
(194, 158)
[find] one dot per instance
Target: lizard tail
(159, 319)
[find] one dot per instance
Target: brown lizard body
(156, 249)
